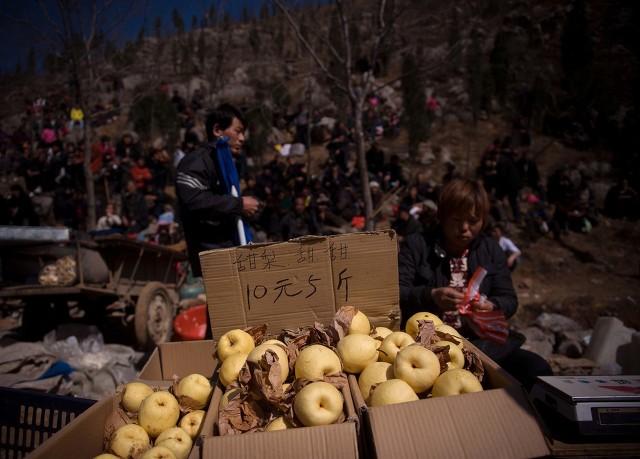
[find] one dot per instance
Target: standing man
(204, 182)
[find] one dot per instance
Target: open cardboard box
(495, 423)
(327, 442)
(295, 283)
(83, 437)
(290, 285)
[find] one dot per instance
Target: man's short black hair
(222, 116)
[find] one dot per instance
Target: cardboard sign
(295, 283)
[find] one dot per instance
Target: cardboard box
(336, 441)
(180, 359)
(293, 284)
(290, 285)
(495, 423)
(83, 437)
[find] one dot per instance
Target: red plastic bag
(489, 325)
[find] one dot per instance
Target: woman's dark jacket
(424, 265)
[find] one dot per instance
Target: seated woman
(436, 266)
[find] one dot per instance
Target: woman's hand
(482, 305)
(447, 298)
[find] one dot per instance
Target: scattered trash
(71, 360)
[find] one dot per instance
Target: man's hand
(446, 298)
(250, 205)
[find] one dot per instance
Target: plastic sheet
(97, 368)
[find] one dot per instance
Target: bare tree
(77, 31)
(354, 85)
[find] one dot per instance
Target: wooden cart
(137, 297)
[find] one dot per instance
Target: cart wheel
(154, 315)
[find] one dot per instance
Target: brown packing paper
(116, 419)
(187, 404)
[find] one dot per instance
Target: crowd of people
(43, 182)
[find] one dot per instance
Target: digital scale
(594, 406)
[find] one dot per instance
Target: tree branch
(335, 80)
(49, 19)
(327, 43)
(433, 66)
(347, 47)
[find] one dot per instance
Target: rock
(182, 90)
(425, 153)
(538, 341)
(427, 158)
(571, 348)
(608, 335)
(627, 356)
(235, 93)
(450, 118)
(456, 89)
(131, 82)
(556, 322)
(327, 122)
(607, 369)
(466, 116)
(240, 76)
(198, 83)
(389, 95)
(298, 149)
(565, 366)
(445, 155)
(581, 336)
(462, 98)
(525, 283)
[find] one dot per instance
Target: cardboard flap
(490, 424)
(170, 360)
(82, 437)
(325, 442)
(284, 285)
(296, 283)
(365, 275)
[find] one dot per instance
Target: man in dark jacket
(208, 213)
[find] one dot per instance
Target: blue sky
(16, 37)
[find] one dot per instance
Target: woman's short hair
(463, 197)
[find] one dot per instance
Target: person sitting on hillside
(128, 148)
(297, 222)
(135, 213)
(405, 224)
(18, 209)
(508, 180)
(621, 201)
(511, 251)
(110, 220)
(435, 267)
(140, 174)
(324, 220)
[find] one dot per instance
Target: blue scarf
(230, 178)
